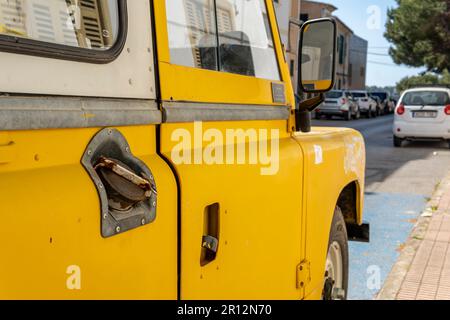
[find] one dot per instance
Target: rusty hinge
(303, 274)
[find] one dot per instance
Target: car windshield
(333, 94)
(358, 94)
(426, 98)
(381, 95)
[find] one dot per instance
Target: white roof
(429, 89)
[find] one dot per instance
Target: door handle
(211, 230)
(8, 153)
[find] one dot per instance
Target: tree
(424, 79)
(419, 31)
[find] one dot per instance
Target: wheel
(375, 113)
(348, 116)
(318, 116)
(398, 142)
(336, 269)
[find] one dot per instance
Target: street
(399, 183)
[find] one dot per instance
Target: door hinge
(303, 274)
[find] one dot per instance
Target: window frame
(32, 47)
(190, 84)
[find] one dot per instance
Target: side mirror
(318, 55)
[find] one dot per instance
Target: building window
(304, 17)
(341, 49)
(81, 24)
(237, 45)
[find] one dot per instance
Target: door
(225, 100)
(70, 230)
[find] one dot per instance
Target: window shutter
(12, 18)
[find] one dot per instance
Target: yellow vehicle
(152, 150)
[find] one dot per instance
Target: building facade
(351, 54)
(288, 12)
(358, 62)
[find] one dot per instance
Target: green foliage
(419, 31)
(427, 78)
(389, 89)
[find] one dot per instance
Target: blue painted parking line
(391, 217)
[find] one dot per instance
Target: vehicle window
(246, 43)
(192, 33)
(90, 24)
(333, 94)
(241, 43)
(426, 98)
(359, 94)
(381, 95)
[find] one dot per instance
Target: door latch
(210, 243)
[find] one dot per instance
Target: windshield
(381, 95)
(358, 94)
(426, 98)
(333, 94)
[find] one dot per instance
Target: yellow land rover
(155, 150)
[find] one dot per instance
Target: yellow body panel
(334, 158)
(50, 216)
(269, 224)
(260, 220)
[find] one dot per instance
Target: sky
(368, 18)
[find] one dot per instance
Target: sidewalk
(422, 271)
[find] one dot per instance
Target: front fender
(334, 158)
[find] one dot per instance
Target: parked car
(339, 103)
(379, 105)
(387, 102)
(367, 105)
(423, 114)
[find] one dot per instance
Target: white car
(423, 114)
(339, 103)
(367, 105)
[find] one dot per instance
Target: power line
(383, 63)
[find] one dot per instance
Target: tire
(329, 117)
(357, 114)
(348, 116)
(336, 268)
(318, 116)
(375, 113)
(398, 142)
(369, 114)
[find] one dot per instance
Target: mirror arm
(303, 113)
(311, 104)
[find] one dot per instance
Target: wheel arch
(350, 203)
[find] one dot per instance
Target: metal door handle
(7, 153)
